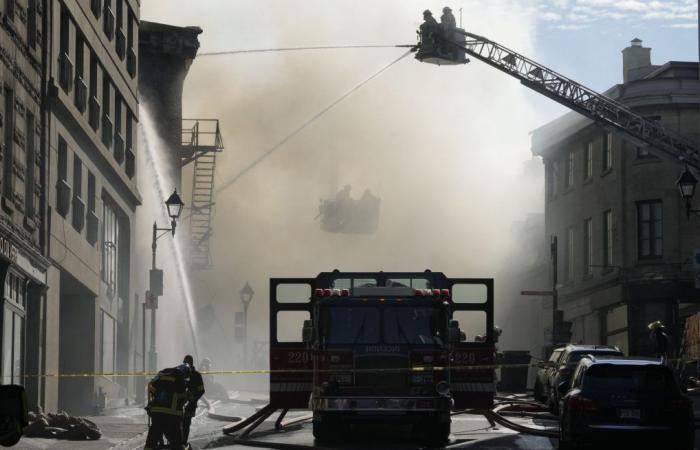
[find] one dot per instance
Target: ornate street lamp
(686, 185)
(246, 294)
(174, 205)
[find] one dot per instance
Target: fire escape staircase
(201, 141)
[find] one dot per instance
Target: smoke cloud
(443, 147)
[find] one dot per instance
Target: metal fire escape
(201, 141)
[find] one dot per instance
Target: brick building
(624, 241)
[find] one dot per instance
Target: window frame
(656, 229)
(570, 168)
(588, 246)
(608, 237)
(607, 160)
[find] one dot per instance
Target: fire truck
(381, 347)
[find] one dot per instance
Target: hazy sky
(443, 147)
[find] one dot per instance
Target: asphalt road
(468, 431)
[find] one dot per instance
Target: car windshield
(617, 378)
(415, 325)
(575, 357)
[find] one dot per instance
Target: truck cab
(387, 347)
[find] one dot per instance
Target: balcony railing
(65, 76)
(80, 94)
(94, 113)
(107, 131)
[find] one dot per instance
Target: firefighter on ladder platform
(167, 394)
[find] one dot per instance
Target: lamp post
(246, 297)
(686, 185)
(174, 205)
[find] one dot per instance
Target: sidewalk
(119, 427)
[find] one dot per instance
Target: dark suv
(545, 373)
(625, 400)
(567, 364)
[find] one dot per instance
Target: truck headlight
(442, 388)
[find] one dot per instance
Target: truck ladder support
(597, 107)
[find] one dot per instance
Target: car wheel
(326, 432)
(438, 434)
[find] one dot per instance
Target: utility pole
(555, 297)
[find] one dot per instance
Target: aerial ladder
(435, 48)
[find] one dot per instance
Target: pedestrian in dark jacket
(167, 394)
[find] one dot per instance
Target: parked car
(567, 364)
(634, 401)
(544, 374)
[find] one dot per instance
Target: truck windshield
(349, 325)
(414, 325)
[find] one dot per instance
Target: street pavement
(125, 428)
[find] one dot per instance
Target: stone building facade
(625, 244)
(25, 346)
(91, 133)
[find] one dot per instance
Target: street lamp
(174, 205)
(246, 294)
(686, 185)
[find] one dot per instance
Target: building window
(31, 24)
(569, 272)
(649, 229)
(587, 246)
(108, 343)
(13, 313)
(9, 153)
(10, 9)
(30, 154)
(607, 238)
(110, 245)
(607, 151)
(78, 202)
(555, 177)
(570, 169)
(588, 161)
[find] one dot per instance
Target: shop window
(108, 344)
(13, 322)
(649, 229)
(110, 246)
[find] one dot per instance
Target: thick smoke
(443, 147)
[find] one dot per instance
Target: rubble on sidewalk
(61, 426)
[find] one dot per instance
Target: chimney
(634, 57)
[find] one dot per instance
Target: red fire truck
(381, 347)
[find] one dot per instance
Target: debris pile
(61, 426)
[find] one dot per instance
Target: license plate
(629, 413)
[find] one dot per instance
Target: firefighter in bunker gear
(659, 339)
(195, 391)
(167, 393)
